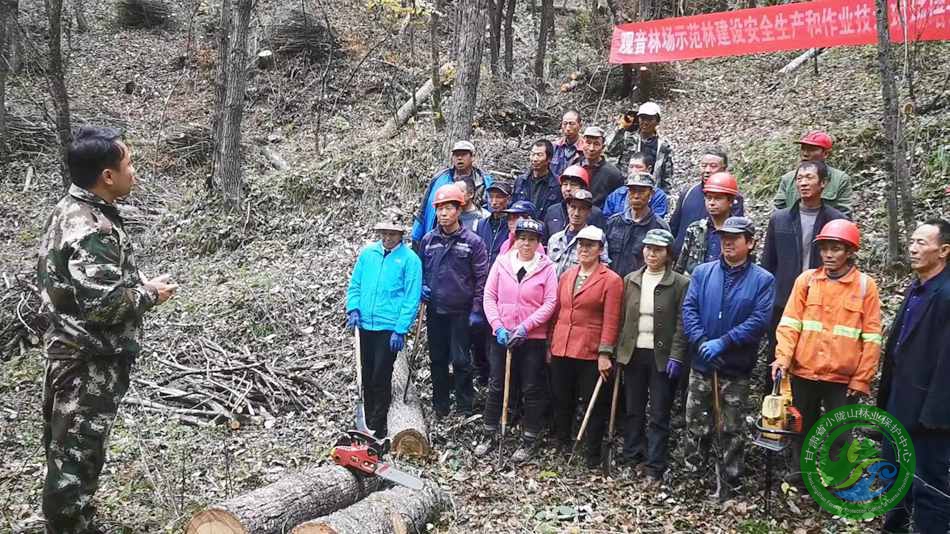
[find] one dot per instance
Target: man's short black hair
(644, 157)
(821, 168)
(93, 150)
(575, 112)
(548, 147)
(943, 229)
(720, 153)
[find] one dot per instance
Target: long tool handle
(613, 403)
(504, 401)
(717, 413)
(590, 407)
(359, 363)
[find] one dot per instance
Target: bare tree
(227, 176)
(79, 11)
(56, 80)
(496, 14)
(471, 32)
(8, 14)
(438, 117)
(544, 32)
(895, 158)
(509, 36)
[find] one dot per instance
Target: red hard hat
(576, 171)
(721, 182)
(816, 138)
(449, 193)
(840, 230)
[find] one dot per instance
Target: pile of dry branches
(21, 323)
(298, 33)
(28, 137)
(208, 383)
(143, 13)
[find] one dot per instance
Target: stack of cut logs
(331, 499)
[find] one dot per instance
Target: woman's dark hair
(93, 150)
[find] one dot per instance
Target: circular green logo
(849, 476)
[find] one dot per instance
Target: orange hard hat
(449, 193)
(576, 171)
(840, 230)
(721, 182)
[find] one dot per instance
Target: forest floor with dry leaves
(262, 290)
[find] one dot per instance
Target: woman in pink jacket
(519, 300)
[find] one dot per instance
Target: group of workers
(553, 285)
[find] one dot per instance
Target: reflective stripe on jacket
(831, 329)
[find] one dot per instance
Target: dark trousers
(528, 364)
(573, 379)
(810, 396)
(377, 361)
(643, 382)
(770, 350)
(482, 339)
(80, 400)
(929, 510)
(449, 342)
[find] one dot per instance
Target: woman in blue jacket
(382, 300)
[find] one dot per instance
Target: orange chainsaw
(780, 419)
(363, 454)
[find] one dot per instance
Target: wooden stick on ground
(407, 427)
(395, 511)
(796, 63)
(293, 499)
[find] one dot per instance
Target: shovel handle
(613, 403)
(504, 401)
(590, 407)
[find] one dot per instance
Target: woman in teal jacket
(382, 300)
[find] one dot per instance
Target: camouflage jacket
(694, 247)
(624, 144)
(92, 291)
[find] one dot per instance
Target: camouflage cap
(659, 237)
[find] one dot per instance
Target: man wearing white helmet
(637, 133)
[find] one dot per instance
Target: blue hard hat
(521, 206)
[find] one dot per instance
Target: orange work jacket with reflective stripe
(831, 329)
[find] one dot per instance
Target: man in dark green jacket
(816, 146)
(652, 350)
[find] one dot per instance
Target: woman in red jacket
(520, 297)
(585, 336)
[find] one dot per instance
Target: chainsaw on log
(780, 419)
(363, 454)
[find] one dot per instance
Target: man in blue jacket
(454, 269)
(381, 301)
(725, 315)
(691, 204)
(915, 382)
(617, 200)
(463, 166)
(625, 231)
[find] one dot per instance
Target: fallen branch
(407, 110)
(796, 63)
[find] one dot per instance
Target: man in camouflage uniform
(639, 134)
(701, 243)
(95, 298)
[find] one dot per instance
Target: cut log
(796, 63)
(446, 74)
(294, 499)
(395, 511)
(407, 427)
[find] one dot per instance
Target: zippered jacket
(454, 266)
(530, 303)
(425, 217)
(385, 288)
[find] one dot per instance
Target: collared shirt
(713, 241)
(916, 296)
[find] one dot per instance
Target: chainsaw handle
(782, 432)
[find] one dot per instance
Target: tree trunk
(394, 511)
(221, 83)
(295, 498)
(509, 36)
(443, 77)
(8, 14)
(228, 176)
(896, 157)
(437, 116)
(407, 426)
(56, 78)
(497, 14)
(79, 11)
(465, 93)
(546, 26)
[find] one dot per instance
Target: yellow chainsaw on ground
(780, 420)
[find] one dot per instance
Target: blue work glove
(426, 293)
(501, 336)
(711, 351)
(397, 342)
(476, 320)
(673, 369)
(520, 335)
(353, 319)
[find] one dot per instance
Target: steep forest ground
(267, 284)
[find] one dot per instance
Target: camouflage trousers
(700, 423)
(81, 395)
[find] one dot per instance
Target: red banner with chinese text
(821, 23)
